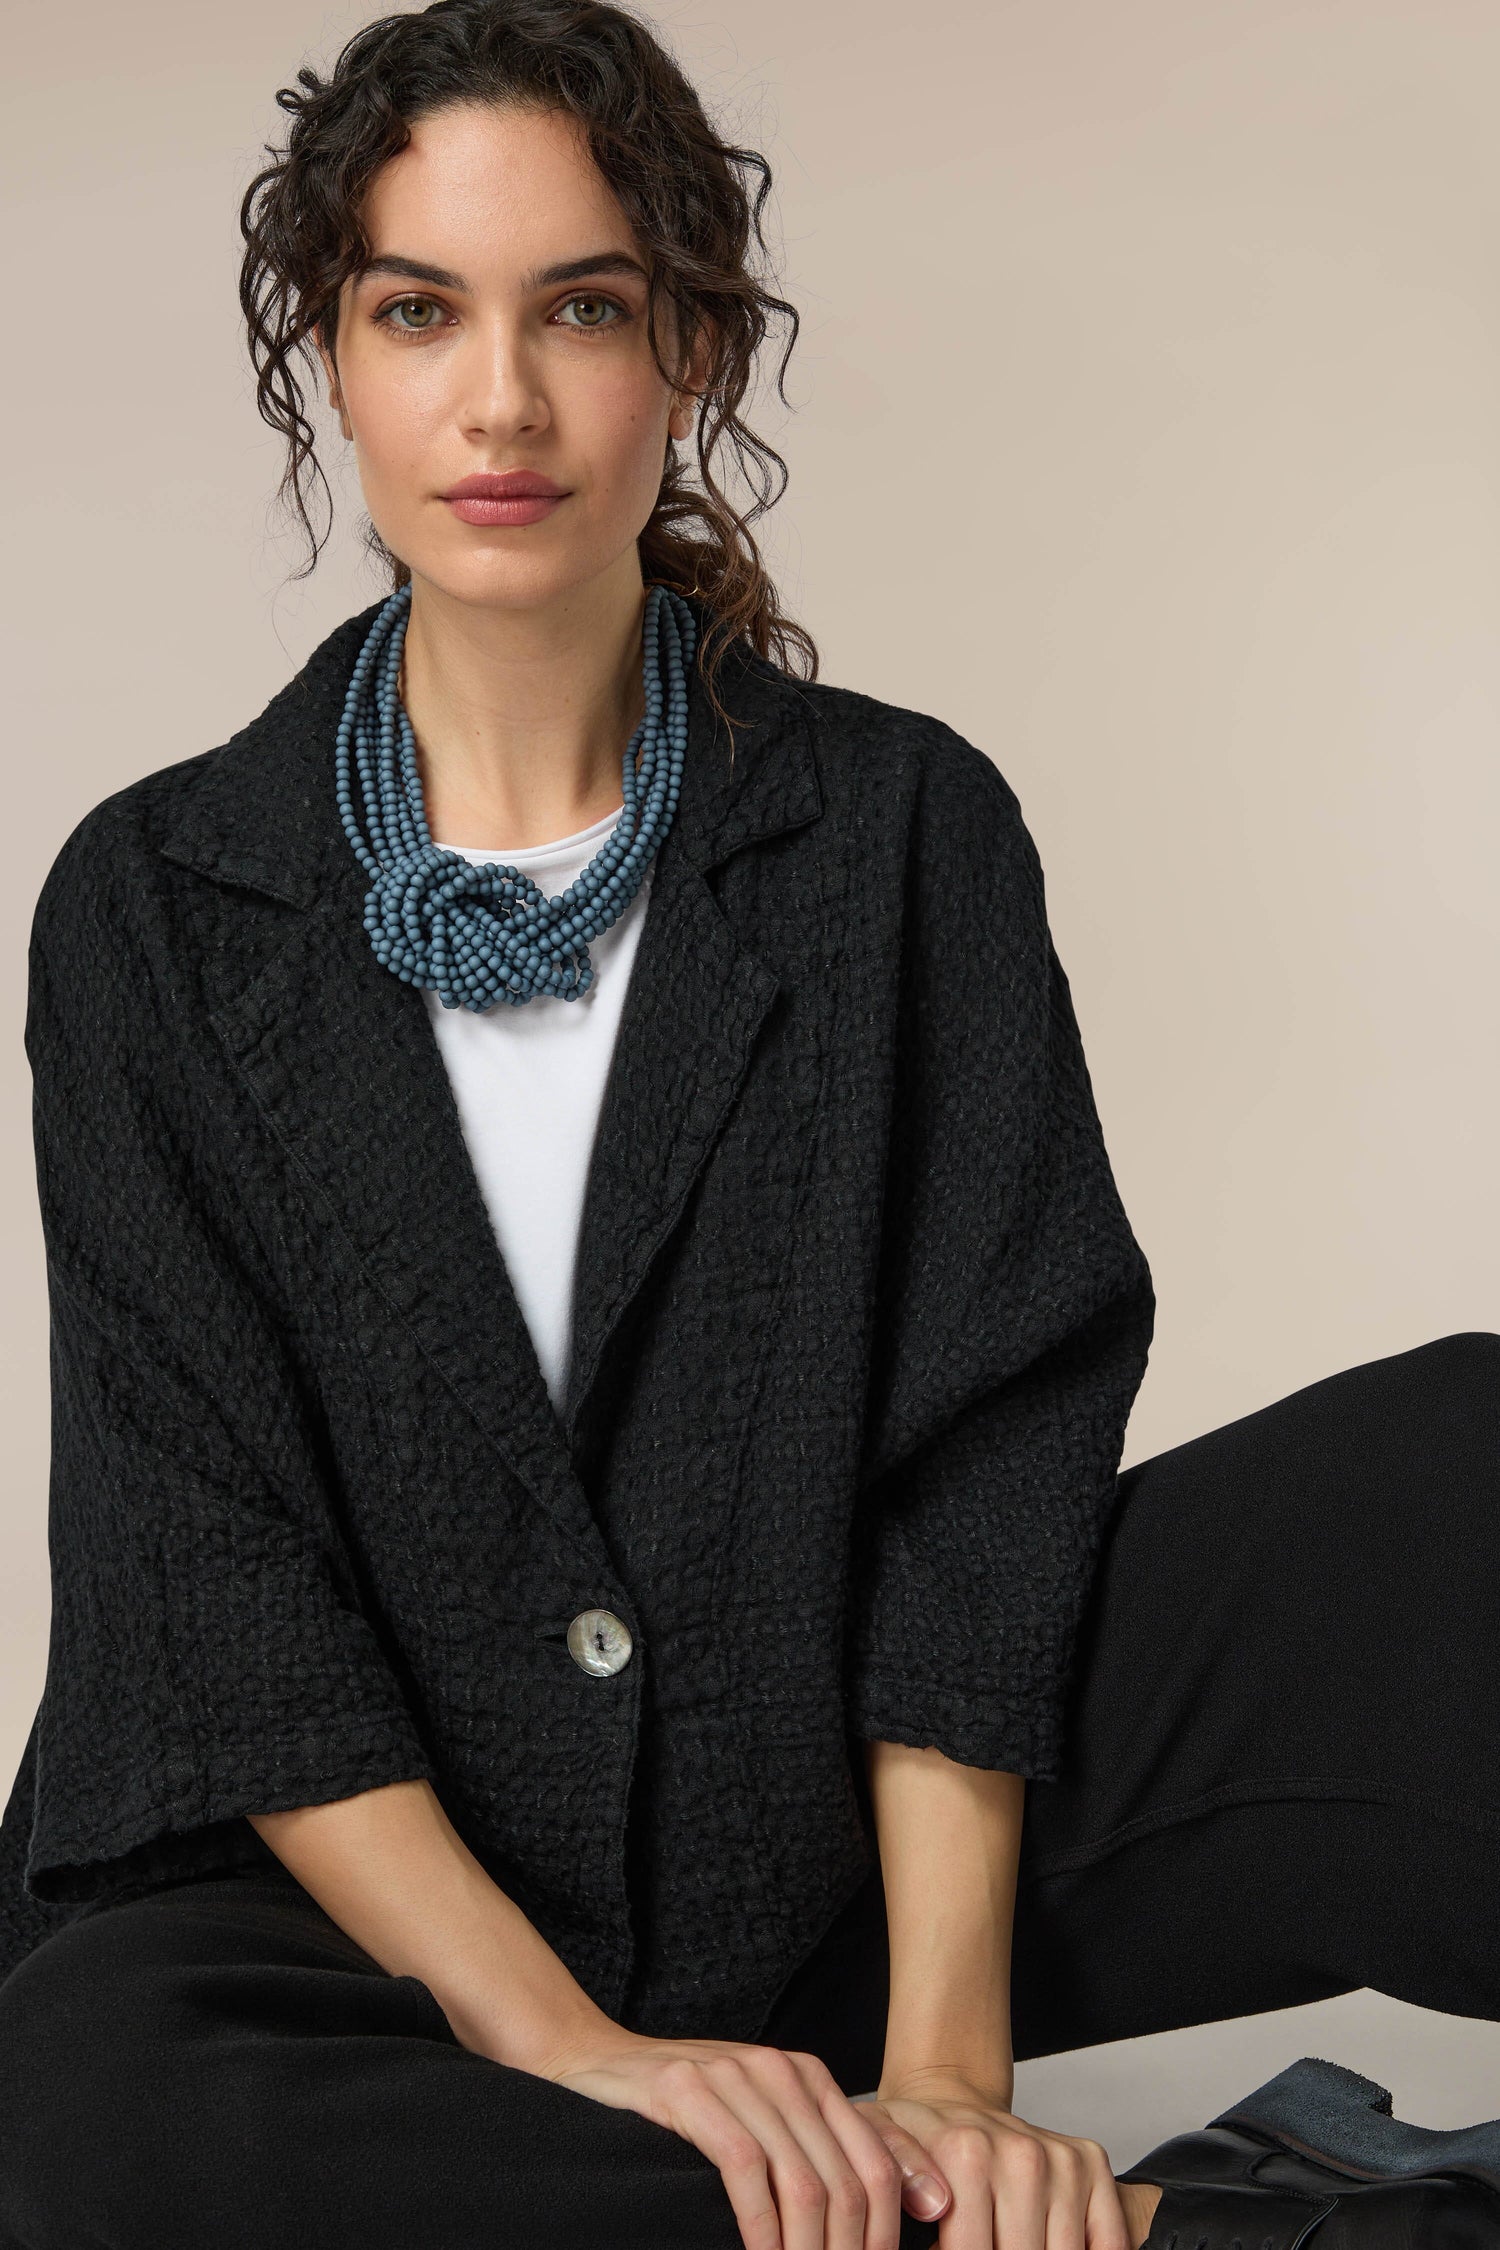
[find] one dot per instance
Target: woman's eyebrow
(545, 277)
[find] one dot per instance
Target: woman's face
(519, 344)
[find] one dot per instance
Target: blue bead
(427, 907)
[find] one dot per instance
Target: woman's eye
(401, 327)
(593, 313)
(594, 308)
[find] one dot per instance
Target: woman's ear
(695, 379)
(335, 395)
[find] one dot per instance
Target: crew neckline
(535, 855)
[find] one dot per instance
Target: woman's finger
(820, 2198)
(1022, 2185)
(884, 2154)
(696, 2113)
(931, 2198)
(1068, 2196)
(968, 2158)
(1105, 2226)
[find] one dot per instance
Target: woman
(592, 1338)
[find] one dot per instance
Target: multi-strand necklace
(478, 933)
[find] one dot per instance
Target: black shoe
(1315, 2156)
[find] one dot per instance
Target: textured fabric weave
(859, 1319)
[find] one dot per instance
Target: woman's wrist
(989, 2080)
(545, 2044)
(593, 2042)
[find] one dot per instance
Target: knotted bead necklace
(431, 914)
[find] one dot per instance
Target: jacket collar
(341, 1058)
(262, 814)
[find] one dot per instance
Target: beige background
(1147, 429)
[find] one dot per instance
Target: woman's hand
(1014, 2185)
(805, 2167)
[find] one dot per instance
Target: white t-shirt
(529, 1083)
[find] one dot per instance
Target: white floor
(1440, 2070)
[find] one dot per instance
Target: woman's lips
(528, 510)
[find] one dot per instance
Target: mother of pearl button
(599, 1641)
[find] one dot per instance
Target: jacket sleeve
(1015, 1309)
(208, 1653)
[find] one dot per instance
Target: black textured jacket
(859, 1323)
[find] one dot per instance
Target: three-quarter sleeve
(1015, 1310)
(209, 1655)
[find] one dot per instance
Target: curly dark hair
(682, 189)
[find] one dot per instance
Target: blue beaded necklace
(431, 914)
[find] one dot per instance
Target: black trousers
(1283, 1783)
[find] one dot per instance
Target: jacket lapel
(341, 1057)
(697, 999)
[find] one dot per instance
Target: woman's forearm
(390, 1869)
(950, 1839)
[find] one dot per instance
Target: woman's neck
(522, 717)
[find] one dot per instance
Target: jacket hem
(81, 1865)
(970, 1733)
